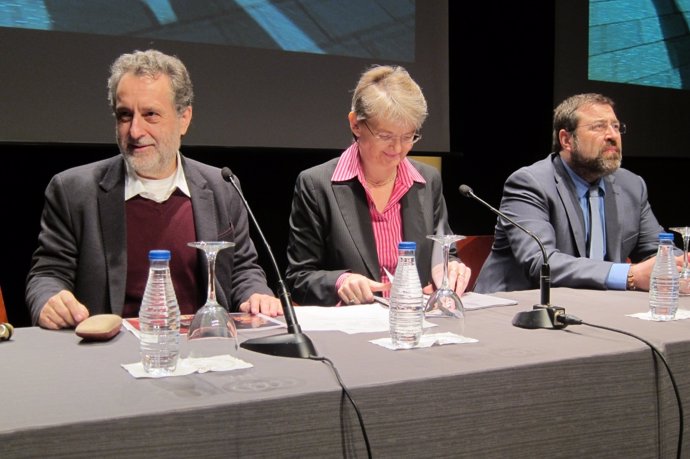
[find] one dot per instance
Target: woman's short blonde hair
(389, 93)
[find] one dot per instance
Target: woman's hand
(458, 276)
(357, 289)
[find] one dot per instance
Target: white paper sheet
(365, 318)
(472, 300)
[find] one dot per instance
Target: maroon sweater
(168, 225)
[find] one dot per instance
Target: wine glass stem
(446, 257)
(211, 261)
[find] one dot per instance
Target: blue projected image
(378, 29)
(643, 42)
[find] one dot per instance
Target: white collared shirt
(155, 190)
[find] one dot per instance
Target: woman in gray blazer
(349, 214)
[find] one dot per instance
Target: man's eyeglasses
(601, 127)
(406, 139)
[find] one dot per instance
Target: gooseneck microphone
(543, 315)
(291, 344)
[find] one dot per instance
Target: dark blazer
(542, 198)
(82, 242)
(331, 231)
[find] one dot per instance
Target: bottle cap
(665, 236)
(407, 245)
(159, 255)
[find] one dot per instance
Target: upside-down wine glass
(685, 272)
(212, 320)
(444, 302)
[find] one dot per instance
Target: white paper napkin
(192, 365)
(680, 315)
(428, 340)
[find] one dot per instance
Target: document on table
(472, 300)
(244, 322)
(365, 318)
(369, 318)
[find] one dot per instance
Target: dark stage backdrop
(638, 53)
(267, 73)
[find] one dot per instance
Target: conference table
(580, 391)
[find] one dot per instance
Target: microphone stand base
(296, 345)
(540, 317)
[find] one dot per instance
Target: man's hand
(62, 310)
(264, 304)
(642, 272)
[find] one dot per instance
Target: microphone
(543, 315)
(291, 344)
(6, 331)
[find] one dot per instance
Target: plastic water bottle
(664, 285)
(406, 312)
(159, 318)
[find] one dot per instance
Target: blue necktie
(596, 227)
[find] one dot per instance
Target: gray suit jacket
(82, 243)
(542, 198)
(331, 231)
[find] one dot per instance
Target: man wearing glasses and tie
(592, 216)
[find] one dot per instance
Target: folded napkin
(428, 340)
(680, 315)
(192, 365)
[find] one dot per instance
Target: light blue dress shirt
(618, 274)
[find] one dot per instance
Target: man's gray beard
(145, 167)
(133, 164)
(594, 168)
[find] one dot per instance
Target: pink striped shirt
(387, 225)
